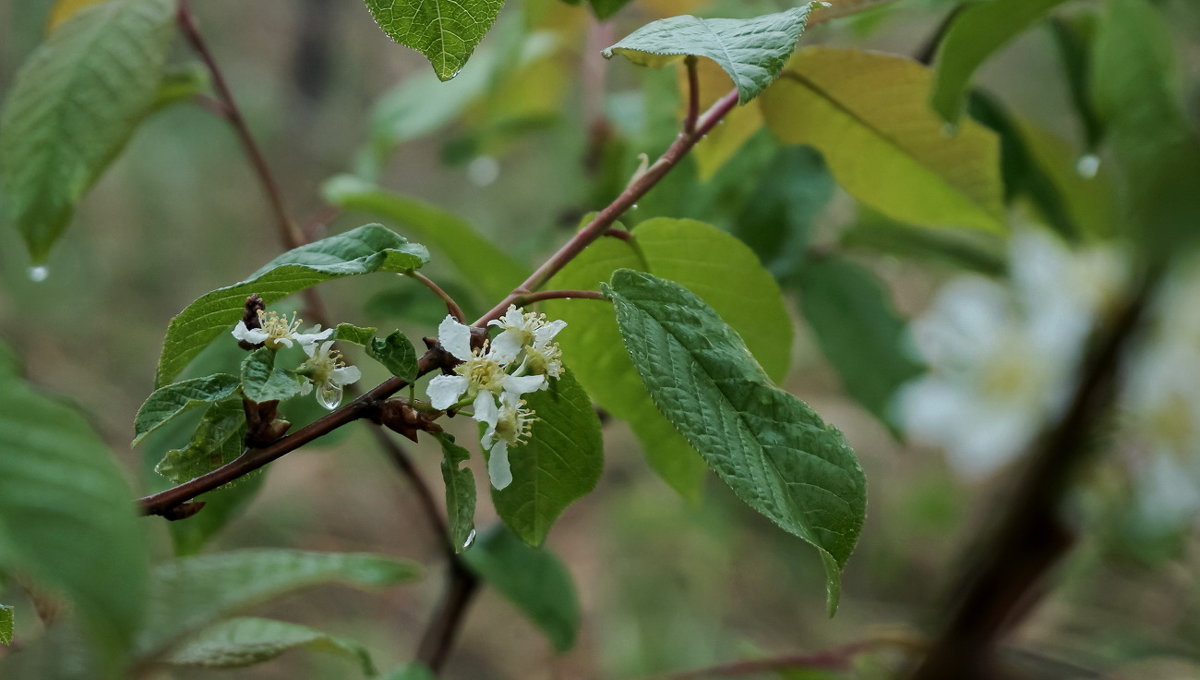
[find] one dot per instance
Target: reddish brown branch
(693, 111)
(451, 306)
(538, 296)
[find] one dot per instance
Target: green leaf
(534, 580)
(217, 440)
(412, 671)
(445, 31)
(777, 220)
(191, 593)
(974, 34)
(859, 331)
(74, 105)
(476, 258)
(246, 641)
(751, 51)
(63, 502)
(769, 447)
(868, 114)
(1135, 85)
(355, 334)
(460, 492)
(6, 624)
(606, 8)
(559, 464)
(369, 248)
(261, 381)
(396, 354)
(722, 270)
(165, 403)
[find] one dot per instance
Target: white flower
(481, 373)
(1003, 360)
(507, 425)
(328, 372)
(279, 331)
(532, 334)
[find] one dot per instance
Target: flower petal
(486, 411)
(546, 333)
(444, 390)
(499, 470)
(345, 375)
(506, 346)
(254, 336)
(455, 338)
(524, 384)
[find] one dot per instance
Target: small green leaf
(74, 105)
(859, 331)
(559, 464)
(217, 440)
(723, 271)
(460, 492)
(6, 624)
(396, 354)
(868, 114)
(355, 334)
(165, 403)
(445, 31)
(974, 34)
(63, 502)
(751, 51)
(261, 381)
(369, 248)
(769, 447)
(533, 579)
(247, 641)
(480, 261)
(191, 593)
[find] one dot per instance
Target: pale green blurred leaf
(75, 103)
(868, 114)
(247, 641)
(975, 33)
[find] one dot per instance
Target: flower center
(482, 374)
(278, 327)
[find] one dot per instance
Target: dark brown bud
(250, 317)
(399, 416)
(183, 511)
(263, 424)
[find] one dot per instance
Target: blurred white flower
(326, 370)
(279, 331)
(1002, 361)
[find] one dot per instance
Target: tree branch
(451, 306)
(538, 296)
(605, 218)
(693, 111)
(289, 233)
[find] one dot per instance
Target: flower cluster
(324, 370)
(491, 379)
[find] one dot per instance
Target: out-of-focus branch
(1032, 536)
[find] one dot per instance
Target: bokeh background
(664, 584)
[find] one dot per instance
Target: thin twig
(1032, 537)
(538, 296)
(605, 218)
(289, 233)
(693, 111)
(451, 306)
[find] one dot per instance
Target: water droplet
(483, 170)
(39, 273)
(470, 539)
(1088, 165)
(634, 206)
(329, 396)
